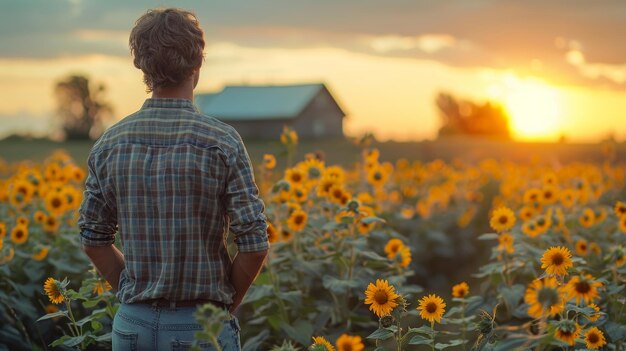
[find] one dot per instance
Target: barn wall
(320, 119)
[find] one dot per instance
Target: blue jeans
(146, 327)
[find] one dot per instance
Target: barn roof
(258, 102)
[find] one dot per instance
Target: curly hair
(167, 45)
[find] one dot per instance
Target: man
(171, 182)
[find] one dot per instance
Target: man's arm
(245, 269)
(109, 261)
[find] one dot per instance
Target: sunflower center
(582, 287)
(541, 222)
(548, 297)
(381, 297)
(298, 219)
(557, 259)
(431, 307)
(593, 338)
(56, 202)
(378, 176)
(503, 220)
(547, 195)
(346, 346)
(19, 234)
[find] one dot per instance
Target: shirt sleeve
(97, 221)
(244, 206)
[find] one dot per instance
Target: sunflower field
(375, 255)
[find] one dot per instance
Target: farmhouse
(261, 111)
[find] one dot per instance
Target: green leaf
(420, 340)
(381, 334)
(294, 297)
(53, 315)
(96, 325)
(75, 341)
(338, 286)
(509, 344)
(301, 331)
(616, 332)
(372, 219)
(373, 256)
(452, 343)
(258, 292)
(488, 236)
(512, 296)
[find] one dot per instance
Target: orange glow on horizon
(535, 108)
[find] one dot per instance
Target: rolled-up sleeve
(97, 221)
(244, 206)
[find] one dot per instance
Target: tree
(462, 117)
(82, 110)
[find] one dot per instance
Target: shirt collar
(170, 103)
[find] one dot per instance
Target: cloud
(480, 33)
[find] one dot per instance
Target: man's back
(164, 172)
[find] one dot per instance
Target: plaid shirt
(171, 182)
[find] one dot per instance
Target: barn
(261, 111)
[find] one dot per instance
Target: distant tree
(81, 109)
(463, 117)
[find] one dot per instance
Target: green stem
(73, 326)
(463, 325)
(432, 335)
(399, 336)
(281, 304)
(215, 343)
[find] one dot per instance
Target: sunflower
(460, 290)
(431, 308)
(21, 220)
(587, 218)
(39, 216)
(321, 344)
(532, 196)
(549, 195)
(313, 167)
(582, 247)
(594, 338)
(286, 235)
(8, 257)
(505, 243)
(407, 212)
(56, 203)
(297, 220)
(19, 234)
(556, 260)
(622, 223)
(52, 289)
(337, 194)
(295, 176)
(377, 176)
(583, 288)
(51, 224)
(269, 161)
(51, 308)
(20, 193)
(381, 297)
(567, 331)
(364, 227)
(72, 197)
(101, 287)
(272, 234)
(620, 209)
(335, 172)
(347, 342)
(596, 312)
(405, 257)
(531, 229)
(299, 193)
(544, 298)
(568, 197)
(325, 184)
(3, 230)
(41, 254)
(502, 219)
(393, 247)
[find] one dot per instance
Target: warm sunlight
(534, 107)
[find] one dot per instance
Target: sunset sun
(534, 107)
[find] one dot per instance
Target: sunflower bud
(387, 321)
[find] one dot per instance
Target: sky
(558, 67)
